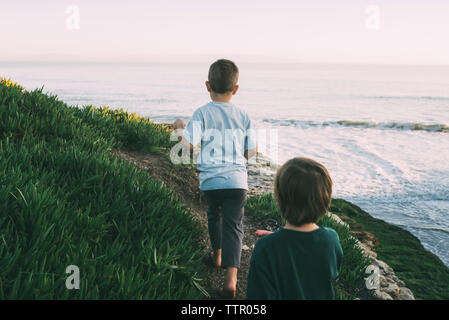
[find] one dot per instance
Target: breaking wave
(435, 98)
(426, 228)
(412, 126)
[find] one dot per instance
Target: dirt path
(184, 182)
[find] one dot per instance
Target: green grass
(66, 200)
(350, 280)
(422, 271)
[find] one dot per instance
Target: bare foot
(261, 233)
(227, 294)
(230, 283)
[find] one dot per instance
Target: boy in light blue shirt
(227, 138)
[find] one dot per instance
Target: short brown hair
(223, 76)
(303, 190)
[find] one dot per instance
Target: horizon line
(268, 61)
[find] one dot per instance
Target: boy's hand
(179, 124)
(261, 233)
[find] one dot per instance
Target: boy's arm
(261, 233)
(191, 133)
(250, 141)
(259, 283)
(340, 254)
(250, 153)
(179, 126)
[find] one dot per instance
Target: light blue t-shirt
(225, 132)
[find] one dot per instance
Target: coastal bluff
(113, 176)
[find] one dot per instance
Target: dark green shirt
(292, 264)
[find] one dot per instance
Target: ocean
(381, 130)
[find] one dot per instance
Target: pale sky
(323, 31)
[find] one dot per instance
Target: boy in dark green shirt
(302, 259)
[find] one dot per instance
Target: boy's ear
(236, 87)
(208, 86)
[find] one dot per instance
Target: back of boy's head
(223, 76)
(303, 190)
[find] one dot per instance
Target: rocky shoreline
(261, 172)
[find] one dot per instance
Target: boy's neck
(216, 97)
(306, 227)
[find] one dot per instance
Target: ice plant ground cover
(66, 200)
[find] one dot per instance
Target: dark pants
(226, 227)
